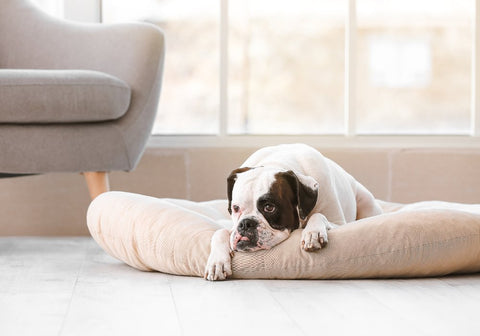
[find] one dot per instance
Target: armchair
(75, 97)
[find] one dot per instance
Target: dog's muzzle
(246, 236)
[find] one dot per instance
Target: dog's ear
(306, 189)
(231, 181)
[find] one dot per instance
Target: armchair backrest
(133, 52)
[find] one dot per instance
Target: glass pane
(189, 101)
(414, 66)
(286, 66)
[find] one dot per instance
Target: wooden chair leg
(97, 183)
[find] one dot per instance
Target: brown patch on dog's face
(279, 205)
(231, 182)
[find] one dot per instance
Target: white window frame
(349, 139)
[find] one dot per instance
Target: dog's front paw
(314, 240)
(219, 267)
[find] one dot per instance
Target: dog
(282, 188)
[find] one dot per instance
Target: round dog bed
(173, 236)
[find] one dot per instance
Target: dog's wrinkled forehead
(251, 184)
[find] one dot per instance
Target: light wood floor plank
(69, 286)
(432, 304)
(338, 307)
(37, 279)
(234, 307)
(111, 298)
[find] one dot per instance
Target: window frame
(349, 139)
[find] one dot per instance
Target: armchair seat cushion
(61, 96)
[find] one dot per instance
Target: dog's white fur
(341, 199)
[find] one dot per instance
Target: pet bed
(173, 236)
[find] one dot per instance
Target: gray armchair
(75, 97)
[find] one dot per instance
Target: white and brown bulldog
(282, 188)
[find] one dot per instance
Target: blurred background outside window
(286, 64)
(414, 66)
(189, 102)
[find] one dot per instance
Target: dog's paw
(313, 240)
(218, 267)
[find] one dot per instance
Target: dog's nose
(247, 224)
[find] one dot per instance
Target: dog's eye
(269, 208)
(236, 208)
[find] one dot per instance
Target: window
(189, 102)
(313, 67)
(414, 66)
(286, 65)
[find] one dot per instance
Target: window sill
(321, 141)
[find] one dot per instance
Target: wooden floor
(69, 286)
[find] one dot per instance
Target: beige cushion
(61, 96)
(173, 236)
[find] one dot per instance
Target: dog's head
(266, 205)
